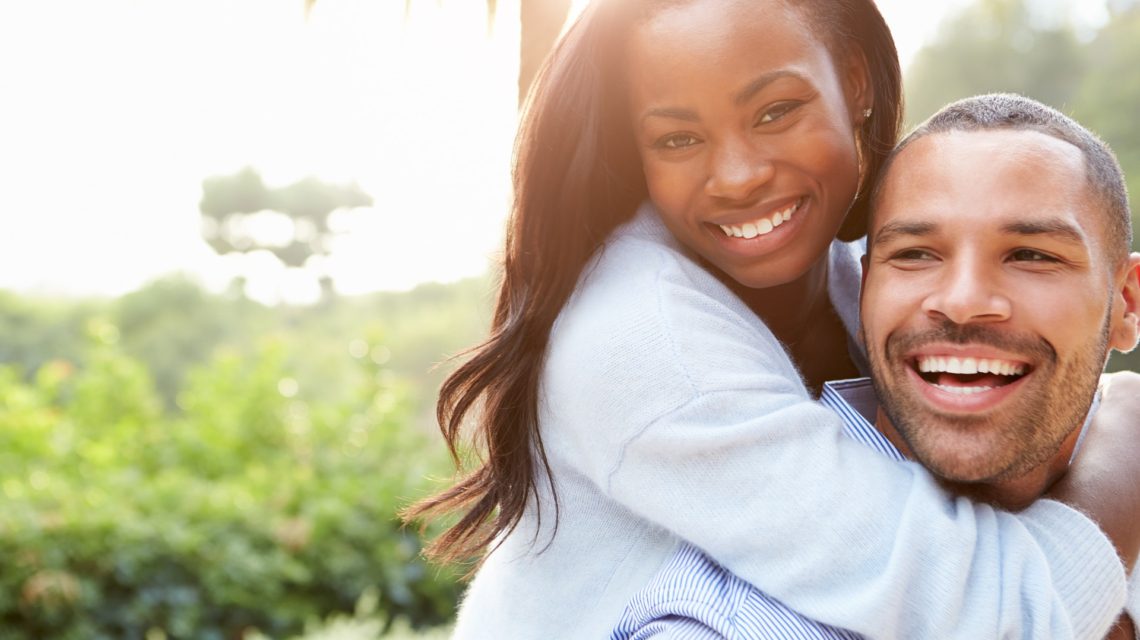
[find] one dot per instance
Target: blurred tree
(1109, 95)
(34, 330)
(996, 45)
(172, 324)
(241, 214)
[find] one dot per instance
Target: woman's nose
(737, 169)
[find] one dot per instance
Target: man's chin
(969, 463)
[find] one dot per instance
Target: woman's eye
(676, 141)
(777, 111)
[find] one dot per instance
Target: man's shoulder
(691, 588)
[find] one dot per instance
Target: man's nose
(968, 293)
(738, 167)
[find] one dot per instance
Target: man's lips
(969, 397)
(958, 378)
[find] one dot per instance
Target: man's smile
(965, 378)
(968, 375)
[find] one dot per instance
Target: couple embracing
(701, 189)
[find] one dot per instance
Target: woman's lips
(752, 244)
(763, 225)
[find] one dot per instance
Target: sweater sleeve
(1133, 606)
(680, 405)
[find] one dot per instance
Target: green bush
(250, 508)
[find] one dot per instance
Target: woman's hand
(1104, 480)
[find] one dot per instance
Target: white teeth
(760, 227)
(953, 365)
(963, 391)
(949, 364)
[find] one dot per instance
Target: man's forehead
(985, 176)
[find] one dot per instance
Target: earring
(867, 113)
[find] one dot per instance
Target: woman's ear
(1125, 324)
(857, 86)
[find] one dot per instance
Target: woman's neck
(801, 316)
(788, 309)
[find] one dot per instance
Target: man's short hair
(1001, 111)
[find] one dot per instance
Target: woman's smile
(762, 230)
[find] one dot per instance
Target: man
(996, 282)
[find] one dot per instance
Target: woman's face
(746, 131)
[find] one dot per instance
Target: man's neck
(1012, 494)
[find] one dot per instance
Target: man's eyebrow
(765, 79)
(1058, 229)
(891, 230)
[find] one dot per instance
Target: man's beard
(1023, 434)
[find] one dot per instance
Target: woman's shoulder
(643, 269)
(645, 307)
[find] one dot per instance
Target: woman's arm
(1104, 480)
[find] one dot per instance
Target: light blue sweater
(669, 412)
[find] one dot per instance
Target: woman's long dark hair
(577, 176)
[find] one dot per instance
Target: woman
(636, 391)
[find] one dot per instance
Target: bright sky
(114, 112)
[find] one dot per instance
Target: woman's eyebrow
(675, 113)
(763, 80)
(744, 95)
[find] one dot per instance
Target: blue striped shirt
(694, 598)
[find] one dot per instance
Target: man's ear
(1125, 324)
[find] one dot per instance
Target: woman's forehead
(725, 43)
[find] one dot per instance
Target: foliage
(1108, 96)
(366, 623)
(172, 325)
(995, 45)
(248, 507)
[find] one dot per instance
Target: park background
(238, 238)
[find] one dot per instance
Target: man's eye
(1031, 255)
(777, 111)
(676, 141)
(912, 255)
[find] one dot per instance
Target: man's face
(988, 301)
